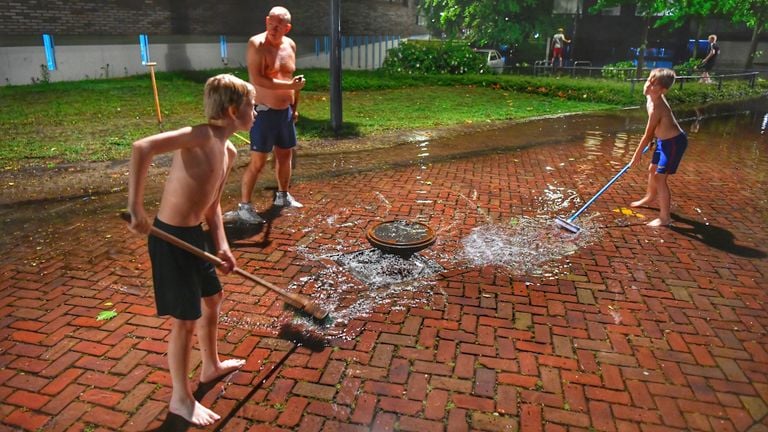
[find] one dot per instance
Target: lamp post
(335, 65)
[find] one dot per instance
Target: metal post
(336, 65)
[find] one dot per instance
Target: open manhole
(377, 268)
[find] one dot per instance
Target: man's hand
(298, 82)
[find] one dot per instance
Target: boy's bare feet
(193, 412)
(659, 222)
(222, 369)
(642, 202)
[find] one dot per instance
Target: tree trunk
(699, 27)
(753, 44)
(643, 45)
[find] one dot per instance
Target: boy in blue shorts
(670, 145)
(186, 287)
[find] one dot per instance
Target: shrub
(687, 68)
(434, 57)
(618, 70)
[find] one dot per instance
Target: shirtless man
(271, 60)
(186, 287)
(671, 143)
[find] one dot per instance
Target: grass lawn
(96, 120)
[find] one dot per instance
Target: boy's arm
(142, 153)
(650, 129)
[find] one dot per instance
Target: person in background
(271, 61)
(709, 61)
(558, 45)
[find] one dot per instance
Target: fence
(749, 76)
(357, 52)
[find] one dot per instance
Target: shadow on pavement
(713, 236)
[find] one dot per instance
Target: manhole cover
(401, 237)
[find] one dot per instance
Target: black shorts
(181, 279)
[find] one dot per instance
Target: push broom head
(562, 223)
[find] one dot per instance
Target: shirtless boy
(271, 60)
(670, 146)
(185, 286)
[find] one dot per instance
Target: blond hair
(712, 38)
(663, 77)
(281, 12)
(223, 91)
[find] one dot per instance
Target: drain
(401, 237)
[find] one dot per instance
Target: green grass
(97, 120)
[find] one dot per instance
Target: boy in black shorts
(186, 287)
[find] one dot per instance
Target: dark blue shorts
(181, 279)
(668, 153)
(273, 128)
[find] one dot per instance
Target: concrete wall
(24, 65)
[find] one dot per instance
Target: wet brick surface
(641, 330)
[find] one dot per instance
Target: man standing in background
(271, 61)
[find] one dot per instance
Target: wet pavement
(505, 323)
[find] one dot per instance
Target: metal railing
(750, 76)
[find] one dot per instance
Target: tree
(648, 9)
(679, 12)
(488, 22)
(753, 13)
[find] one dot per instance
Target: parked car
(493, 59)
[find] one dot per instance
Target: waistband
(262, 107)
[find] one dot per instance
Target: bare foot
(642, 202)
(222, 369)
(659, 222)
(194, 413)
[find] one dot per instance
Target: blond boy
(671, 143)
(186, 287)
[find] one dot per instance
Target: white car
(493, 59)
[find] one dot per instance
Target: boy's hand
(139, 222)
(228, 259)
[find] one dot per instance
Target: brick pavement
(635, 332)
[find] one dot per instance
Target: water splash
(529, 245)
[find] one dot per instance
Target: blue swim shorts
(668, 153)
(273, 128)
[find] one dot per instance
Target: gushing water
(529, 245)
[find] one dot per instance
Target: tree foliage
(489, 22)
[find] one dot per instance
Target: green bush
(687, 68)
(618, 70)
(419, 57)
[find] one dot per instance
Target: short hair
(223, 91)
(712, 37)
(663, 77)
(281, 13)
(560, 30)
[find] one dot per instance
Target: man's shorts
(273, 128)
(181, 279)
(557, 52)
(668, 153)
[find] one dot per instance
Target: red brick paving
(646, 330)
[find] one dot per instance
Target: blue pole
(613, 180)
(50, 51)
